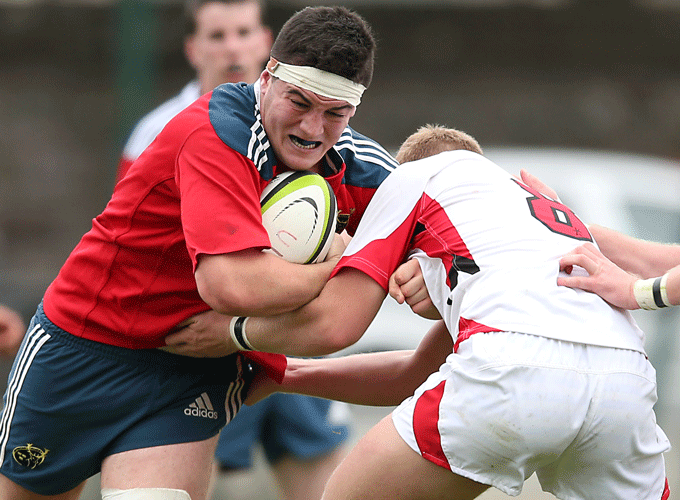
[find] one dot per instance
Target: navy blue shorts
(71, 402)
(285, 425)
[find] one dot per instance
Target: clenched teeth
(301, 143)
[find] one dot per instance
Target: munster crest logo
(29, 456)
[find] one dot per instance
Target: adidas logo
(202, 407)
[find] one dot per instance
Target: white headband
(318, 81)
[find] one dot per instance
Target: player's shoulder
(368, 163)
(457, 167)
(235, 117)
(233, 109)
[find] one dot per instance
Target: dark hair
(191, 7)
(333, 39)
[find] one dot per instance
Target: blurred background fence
(76, 75)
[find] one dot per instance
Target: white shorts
(507, 405)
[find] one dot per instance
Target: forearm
(304, 332)
(660, 291)
(643, 258)
(335, 319)
(254, 283)
(673, 286)
(376, 379)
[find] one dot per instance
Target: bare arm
(255, 283)
(645, 259)
(336, 319)
(608, 280)
(260, 284)
(207, 334)
(673, 285)
(376, 379)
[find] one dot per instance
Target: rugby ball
(299, 212)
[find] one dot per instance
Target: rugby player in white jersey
(533, 378)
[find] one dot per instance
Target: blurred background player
(228, 42)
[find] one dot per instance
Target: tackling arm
(645, 259)
(207, 334)
(673, 286)
(611, 282)
(337, 318)
(376, 379)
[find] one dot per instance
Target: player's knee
(144, 494)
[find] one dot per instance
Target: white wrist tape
(237, 330)
(651, 294)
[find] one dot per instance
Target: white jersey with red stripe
(489, 248)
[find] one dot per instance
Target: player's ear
(265, 81)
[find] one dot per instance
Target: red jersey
(195, 190)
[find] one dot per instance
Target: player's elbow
(320, 330)
(338, 336)
(223, 298)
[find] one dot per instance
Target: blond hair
(434, 139)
